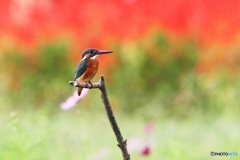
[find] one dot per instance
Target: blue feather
(81, 68)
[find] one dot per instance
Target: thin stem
(122, 144)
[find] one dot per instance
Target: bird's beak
(104, 52)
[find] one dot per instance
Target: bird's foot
(90, 84)
(86, 84)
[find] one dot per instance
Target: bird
(88, 66)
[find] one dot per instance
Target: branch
(86, 85)
(122, 144)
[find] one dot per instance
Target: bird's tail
(79, 91)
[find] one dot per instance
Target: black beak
(104, 52)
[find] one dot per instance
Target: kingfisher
(88, 66)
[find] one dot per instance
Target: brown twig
(122, 144)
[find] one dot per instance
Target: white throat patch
(94, 57)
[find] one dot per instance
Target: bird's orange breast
(90, 72)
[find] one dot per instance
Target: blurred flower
(145, 151)
(73, 99)
(134, 144)
(138, 144)
(101, 154)
(148, 146)
(142, 145)
(149, 127)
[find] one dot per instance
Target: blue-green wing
(81, 68)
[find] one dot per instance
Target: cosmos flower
(143, 145)
(73, 99)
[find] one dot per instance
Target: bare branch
(122, 144)
(85, 85)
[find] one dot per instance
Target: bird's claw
(90, 84)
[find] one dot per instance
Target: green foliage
(53, 60)
(154, 71)
(156, 77)
(36, 78)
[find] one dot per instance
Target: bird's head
(93, 53)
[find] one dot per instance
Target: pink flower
(146, 150)
(134, 144)
(73, 99)
(149, 127)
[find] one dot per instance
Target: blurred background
(173, 79)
